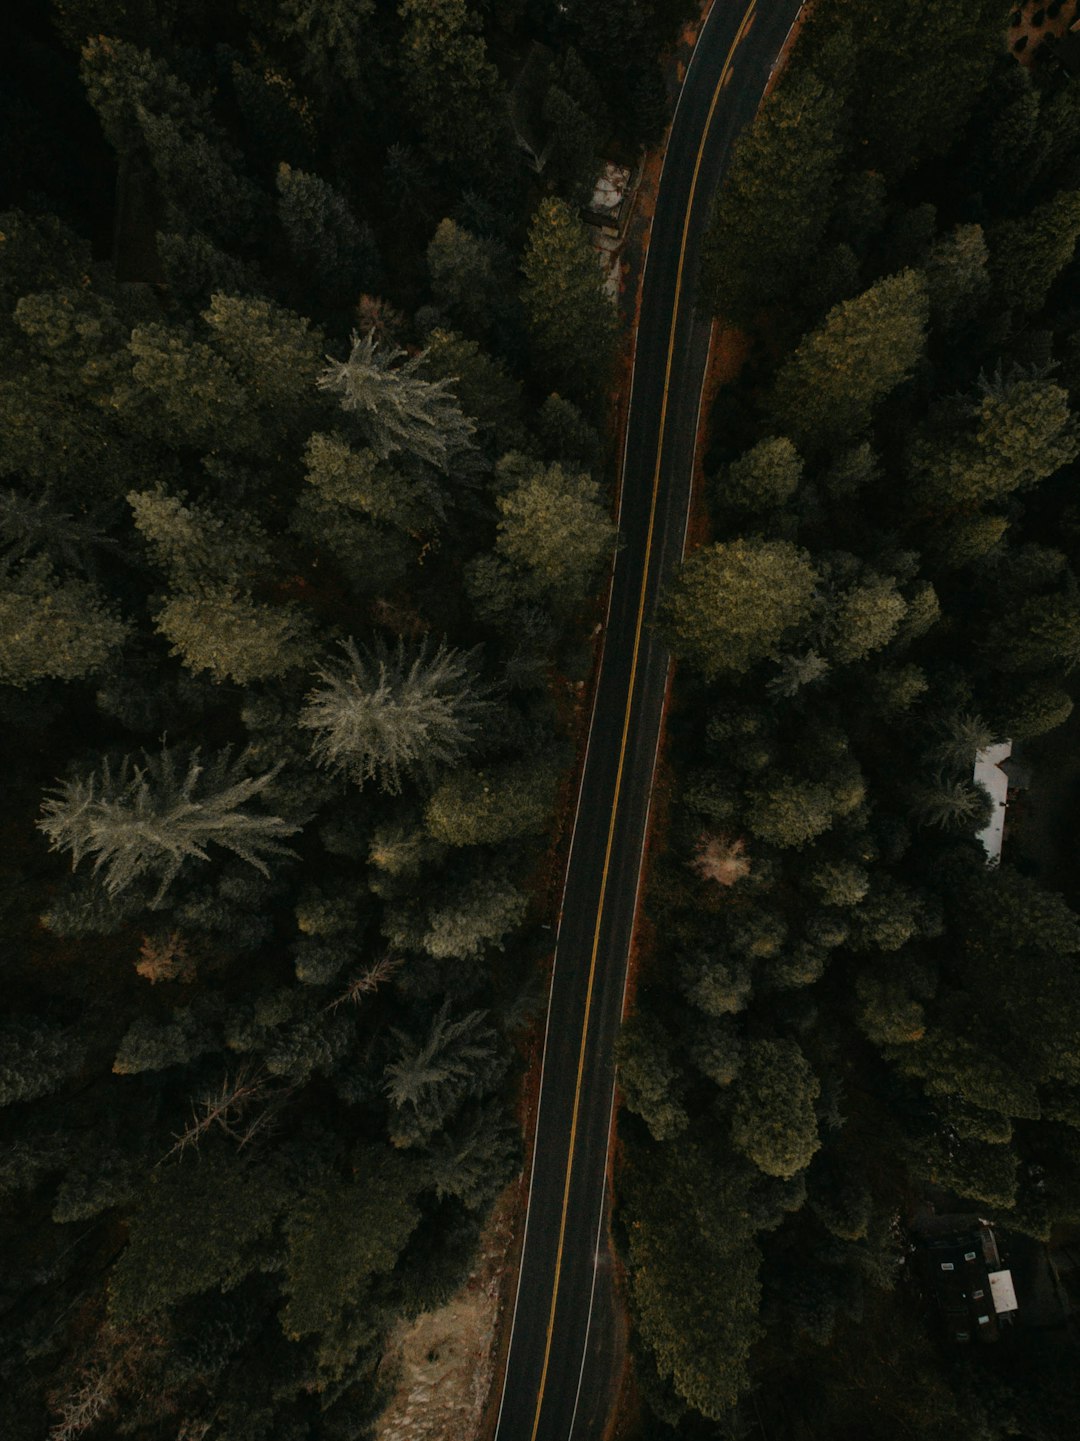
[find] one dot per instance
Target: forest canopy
(849, 1017)
(304, 504)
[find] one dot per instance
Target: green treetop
(396, 408)
(193, 544)
(328, 244)
(53, 629)
(732, 602)
(223, 630)
(1018, 431)
(500, 803)
(452, 86)
(766, 477)
(387, 715)
(340, 1235)
(553, 529)
(1028, 254)
(467, 276)
(408, 498)
(957, 277)
(771, 212)
(865, 618)
(429, 1079)
(149, 819)
(571, 322)
(773, 1122)
(827, 389)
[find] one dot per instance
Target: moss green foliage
(865, 1015)
(732, 603)
(489, 806)
(301, 525)
(828, 387)
(569, 318)
(775, 203)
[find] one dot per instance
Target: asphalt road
(558, 1377)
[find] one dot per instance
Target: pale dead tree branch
(367, 982)
(114, 1364)
(226, 1107)
(87, 1405)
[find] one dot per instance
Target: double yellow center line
(740, 33)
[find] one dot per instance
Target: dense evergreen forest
(845, 1004)
(303, 506)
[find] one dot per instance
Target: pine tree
(407, 497)
(52, 628)
(334, 42)
(155, 1045)
(649, 1079)
(552, 529)
(333, 250)
(388, 716)
(1015, 433)
(194, 269)
(195, 545)
(470, 277)
(956, 805)
(429, 1080)
(962, 737)
(275, 354)
(770, 215)
(488, 807)
(36, 1059)
(236, 638)
(773, 1121)
(195, 1228)
(691, 1220)
(1028, 254)
(573, 146)
(827, 389)
(473, 917)
(453, 88)
(476, 1157)
(766, 477)
(185, 393)
(787, 812)
(957, 277)
(341, 1234)
(488, 394)
(570, 320)
(1043, 634)
(840, 883)
(149, 819)
(865, 618)
(142, 105)
(566, 435)
(732, 602)
(396, 408)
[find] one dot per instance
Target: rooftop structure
(612, 194)
(989, 773)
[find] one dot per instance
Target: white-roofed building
(1002, 1291)
(989, 774)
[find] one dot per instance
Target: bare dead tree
(367, 982)
(115, 1361)
(227, 1108)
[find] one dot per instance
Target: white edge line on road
(581, 788)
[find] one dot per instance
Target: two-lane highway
(555, 1388)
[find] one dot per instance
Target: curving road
(558, 1378)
